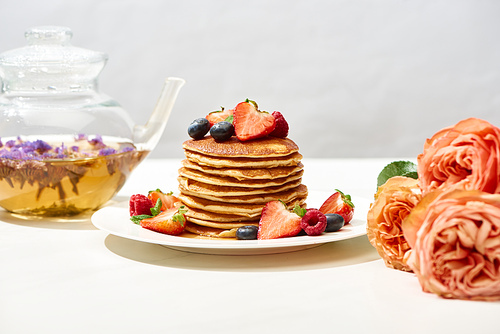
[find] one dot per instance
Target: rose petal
(394, 201)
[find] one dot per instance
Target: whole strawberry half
(278, 222)
(250, 123)
(218, 116)
(168, 200)
(171, 221)
(340, 204)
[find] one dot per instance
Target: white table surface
(73, 278)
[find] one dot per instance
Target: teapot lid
(49, 55)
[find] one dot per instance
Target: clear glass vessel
(65, 148)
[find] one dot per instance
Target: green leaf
(299, 210)
(216, 111)
(252, 102)
(182, 209)
(284, 204)
(137, 219)
(179, 216)
(157, 190)
(157, 208)
(397, 168)
(346, 198)
(229, 119)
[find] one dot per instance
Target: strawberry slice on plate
(171, 221)
(339, 203)
(278, 222)
(167, 199)
(251, 123)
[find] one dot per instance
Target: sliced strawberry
(340, 204)
(278, 222)
(168, 200)
(281, 129)
(250, 123)
(218, 116)
(171, 221)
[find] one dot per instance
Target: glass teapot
(65, 148)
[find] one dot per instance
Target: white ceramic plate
(115, 220)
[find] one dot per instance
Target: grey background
(353, 78)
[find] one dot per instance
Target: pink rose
(455, 241)
(464, 156)
(393, 202)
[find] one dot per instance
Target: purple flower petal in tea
(41, 146)
(80, 136)
(14, 154)
(61, 151)
(97, 142)
(127, 149)
(107, 151)
(40, 150)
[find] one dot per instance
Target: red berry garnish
(313, 222)
(251, 123)
(171, 221)
(339, 203)
(218, 116)
(281, 129)
(277, 221)
(140, 205)
(168, 200)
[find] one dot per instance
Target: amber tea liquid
(65, 187)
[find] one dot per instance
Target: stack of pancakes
(225, 185)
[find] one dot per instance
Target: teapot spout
(147, 136)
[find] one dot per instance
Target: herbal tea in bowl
(64, 177)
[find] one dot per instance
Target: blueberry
(248, 232)
(198, 128)
(301, 233)
(334, 222)
(222, 131)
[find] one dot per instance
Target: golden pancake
(200, 214)
(285, 196)
(232, 182)
(219, 162)
(244, 173)
(233, 148)
(221, 191)
(225, 226)
(245, 210)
